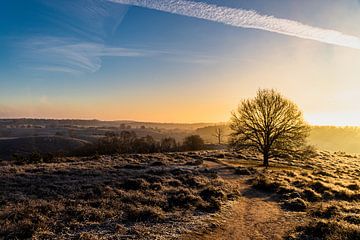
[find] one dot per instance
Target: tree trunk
(266, 159)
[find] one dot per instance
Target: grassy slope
(134, 196)
(165, 195)
(326, 187)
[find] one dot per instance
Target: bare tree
(219, 134)
(168, 144)
(270, 124)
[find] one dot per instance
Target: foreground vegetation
(326, 187)
(167, 195)
(112, 197)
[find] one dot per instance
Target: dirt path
(253, 216)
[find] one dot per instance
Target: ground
(190, 195)
(254, 215)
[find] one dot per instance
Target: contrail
(247, 19)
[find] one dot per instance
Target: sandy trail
(253, 216)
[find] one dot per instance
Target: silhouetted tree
(193, 143)
(219, 134)
(126, 141)
(270, 124)
(145, 145)
(168, 144)
(108, 144)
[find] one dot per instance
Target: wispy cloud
(94, 19)
(70, 56)
(247, 19)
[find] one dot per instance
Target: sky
(177, 60)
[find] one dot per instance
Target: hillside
(345, 139)
(198, 195)
(58, 123)
(28, 145)
(330, 138)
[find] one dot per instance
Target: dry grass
(327, 187)
(130, 196)
(163, 196)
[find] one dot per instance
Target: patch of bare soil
(255, 215)
(320, 197)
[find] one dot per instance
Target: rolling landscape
(64, 137)
(215, 193)
(179, 119)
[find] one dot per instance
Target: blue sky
(106, 60)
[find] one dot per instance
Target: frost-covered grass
(327, 187)
(130, 196)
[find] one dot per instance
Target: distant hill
(208, 133)
(345, 139)
(56, 123)
(65, 134)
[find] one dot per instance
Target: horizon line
(150, 122)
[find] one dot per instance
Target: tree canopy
(269, 124)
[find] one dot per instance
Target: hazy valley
(63, 137)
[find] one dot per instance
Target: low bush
(195, 162)
(325, 212)
(264, 183)
(212, 193)
(311, 195)
(244, 171)
(353, 219)
(212, 205)
(134, 184)
(291, 195)
(193, 143)
(296, 204)
(143, 214)
(345, 194)
(319, 187)
(33, 158)
(330, 230)
(183, 198)
(353, 187)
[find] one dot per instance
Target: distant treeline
(51, 123)
(117, 143)
(129, 142)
